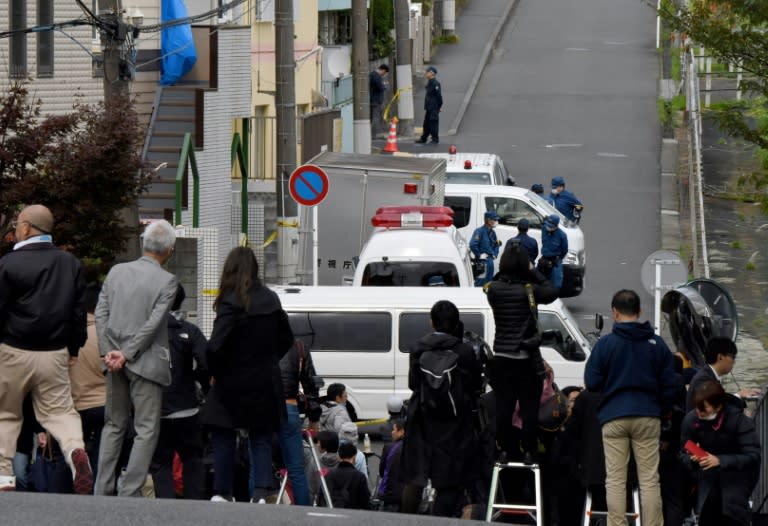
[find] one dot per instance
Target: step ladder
(633, 517)
(531, 509)
(322, 472)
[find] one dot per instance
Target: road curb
(481, 67)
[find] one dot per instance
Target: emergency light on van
(467, 164)
(413, 216)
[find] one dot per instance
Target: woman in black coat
(250, 335)
(727, 473)
(514, 373)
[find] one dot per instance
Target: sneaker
(7, 483)
(259, 496)
(262, 500)
(220, 498)
(82, 474)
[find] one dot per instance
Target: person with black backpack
(444, 375)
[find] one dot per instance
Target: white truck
(470, 202)
(358, 186)
(473, 168)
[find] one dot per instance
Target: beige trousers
(46, 375)
(641, 435)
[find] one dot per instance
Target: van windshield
(410, 274)
(468, 178)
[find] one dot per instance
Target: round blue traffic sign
(308, 185)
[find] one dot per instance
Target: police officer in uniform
(485, 243)
(554, 247)
(433, 103)
(565, 202)
(528, 243)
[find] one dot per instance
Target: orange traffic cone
(391, 146)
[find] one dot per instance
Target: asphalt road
(571, 90)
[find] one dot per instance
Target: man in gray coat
(131, 325)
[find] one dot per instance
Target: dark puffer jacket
(511, 312)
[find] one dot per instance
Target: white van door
(568, 355)
(353, 348)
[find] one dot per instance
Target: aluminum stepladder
(535, 509)
(320, 470)
(633, 517)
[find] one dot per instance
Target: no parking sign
(308, 185)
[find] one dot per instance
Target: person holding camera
(516, 371)
(301, 398)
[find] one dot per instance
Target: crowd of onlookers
(109, 390)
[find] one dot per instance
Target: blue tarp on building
(176, 44)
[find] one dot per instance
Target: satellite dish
(338, 62)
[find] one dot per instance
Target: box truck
(358, 185)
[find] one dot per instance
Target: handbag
(532, 344)
(554, 411)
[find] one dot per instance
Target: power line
(46, 27)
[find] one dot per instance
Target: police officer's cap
(552, 221)
(491, 214)
(432, 69)
(538, 188)
(557, 181)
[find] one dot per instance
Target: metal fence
(760, 494)
(692, 87)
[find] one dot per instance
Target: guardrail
(187, 159)
(690, 79)
(760, 493)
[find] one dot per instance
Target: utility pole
(116, 79)
(285, 107)
(404, 72)
(361, 123)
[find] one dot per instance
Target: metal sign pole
(315, 265)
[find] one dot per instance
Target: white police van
(414, 246)
(470, 202)
(360, 336)
(473, 168)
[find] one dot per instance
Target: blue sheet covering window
(176, 44)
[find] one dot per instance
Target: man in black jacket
(180, 430)
(720, 355)
(42, 327)
(348, 487)
(439, 445)
(516, 372)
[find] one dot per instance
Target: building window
(18, 44)
(45, 39)
(97, 60)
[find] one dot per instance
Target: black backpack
(441, 390)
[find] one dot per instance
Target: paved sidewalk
(460, 66)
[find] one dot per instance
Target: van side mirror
(599, 322)
(575, 353)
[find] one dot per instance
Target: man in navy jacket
(632, 368)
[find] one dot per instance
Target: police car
(473, 168)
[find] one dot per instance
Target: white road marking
(577, 49)
(612, 155)
(334, 515)
(670, 213)
(563, 145)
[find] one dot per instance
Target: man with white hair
(133, 339)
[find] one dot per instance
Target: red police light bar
(410, 188)
(413, 216)
(467, 164)
(452, 149)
